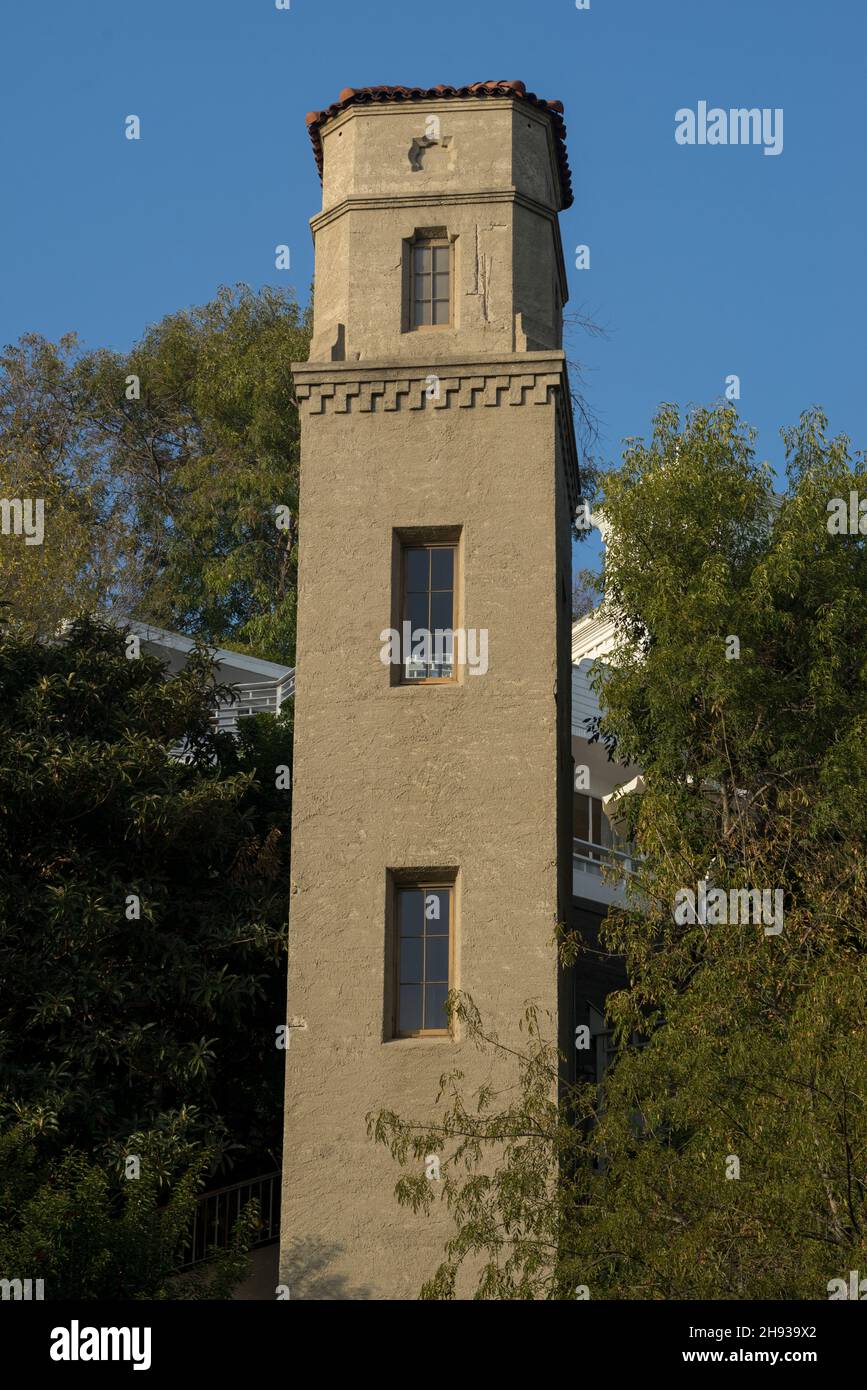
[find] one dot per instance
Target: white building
(596, 843)
(262, 687)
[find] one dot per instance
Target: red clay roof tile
(356, 96)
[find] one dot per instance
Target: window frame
(427, 239)
(423, 882)
(406, 545)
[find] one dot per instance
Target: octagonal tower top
(439, 212)
(338, 168)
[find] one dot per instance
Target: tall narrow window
(428, 612)
(424, 936)
(431, 290)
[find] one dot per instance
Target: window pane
(411, 961)
(409, 1018)
(436, 961)
(431, 268)
(441, 610)
(423, 960)
(442, 665)
(416, 611)
(436, 911)
(443, 651)
(435, 1015)
(582, 825)
(442, 569)
(410, 911)
(416, 570)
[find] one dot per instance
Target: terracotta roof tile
(358, 96)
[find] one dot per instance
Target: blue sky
(705, 261)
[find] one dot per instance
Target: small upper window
(431, 289)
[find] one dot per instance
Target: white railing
(265, 698)
(268, 697)
(593, 858)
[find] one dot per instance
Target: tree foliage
(161, 470)
(142, 901)
(586, 592)
(88, 1233)
(51, 451)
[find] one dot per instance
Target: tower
(431, 835)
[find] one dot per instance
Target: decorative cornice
(528, 378)
(550, 361)
(369, 203)
(430, 391)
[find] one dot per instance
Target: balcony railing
(269, 697)
(266, 698)
(593, 858)
(217, 1212)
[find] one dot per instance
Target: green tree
(725, 1155)
(164, 471)
(88, 1233)
(52, 451)
(142, 902)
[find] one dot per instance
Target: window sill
(407, 686)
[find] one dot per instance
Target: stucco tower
(431, 835)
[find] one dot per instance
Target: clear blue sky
(705, 261)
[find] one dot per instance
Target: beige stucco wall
(503, 144)
(468, 776)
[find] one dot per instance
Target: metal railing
(265, 698)
(593, 858)
(217, 1212)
